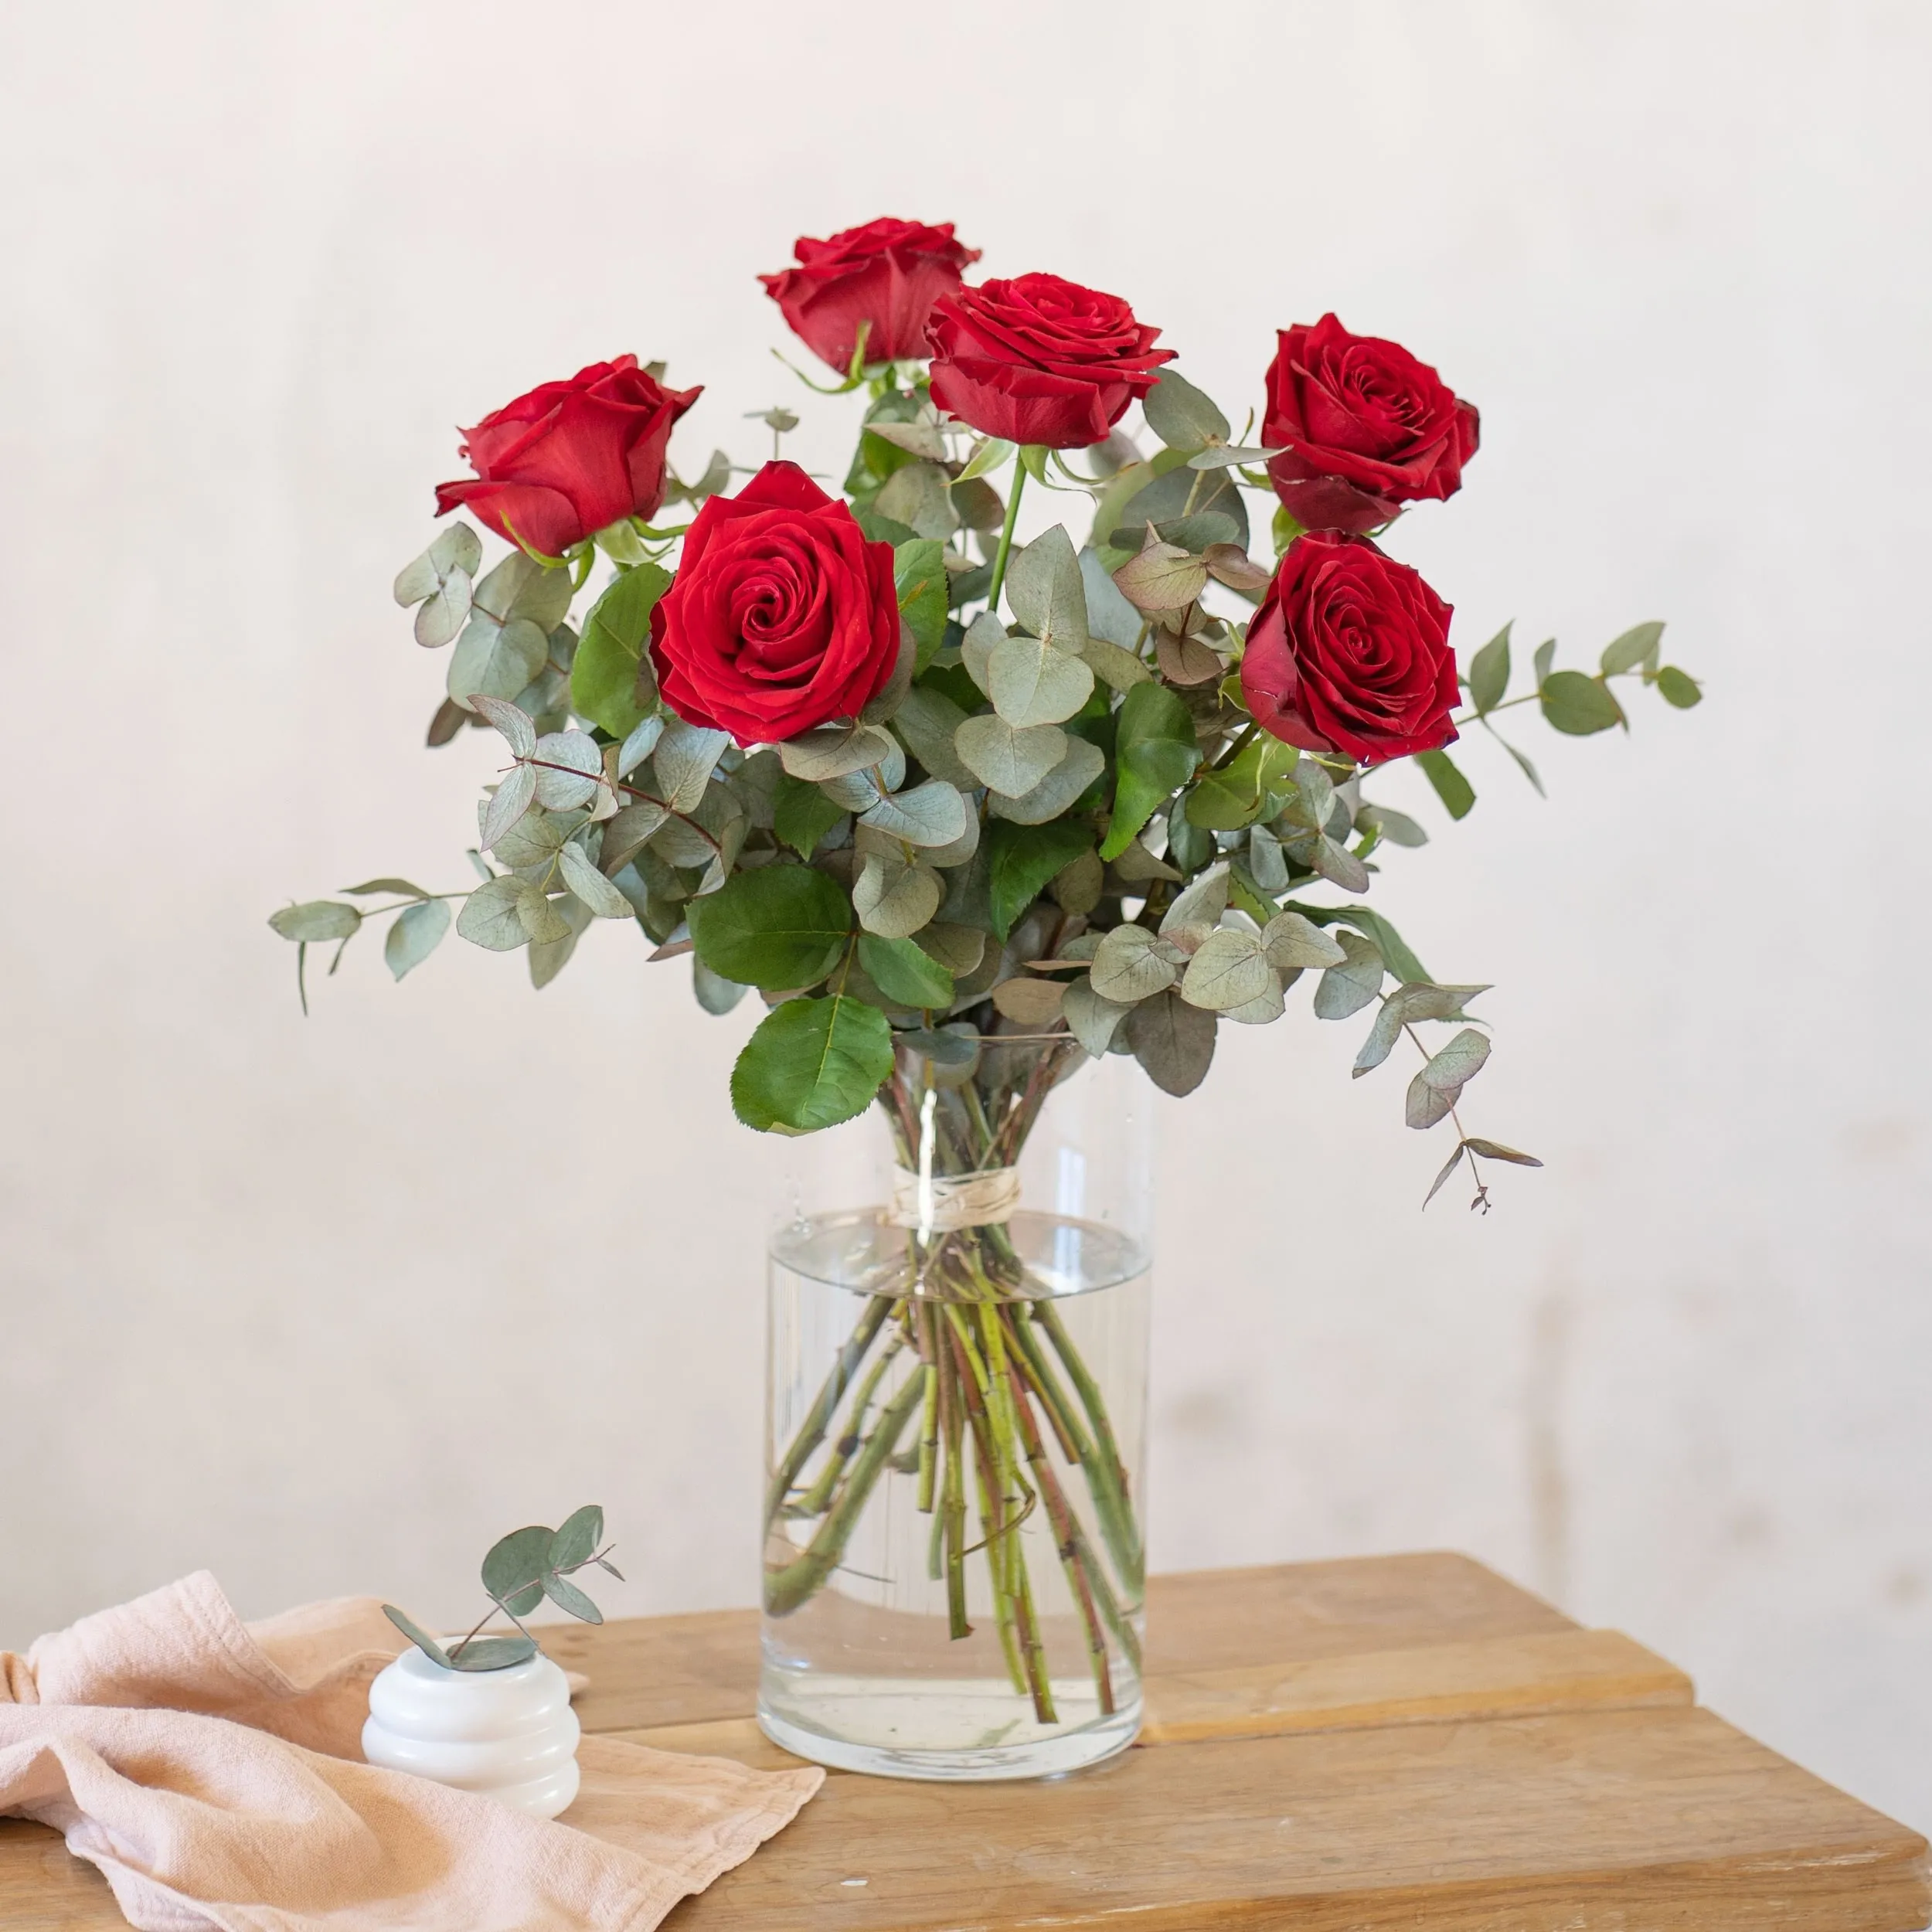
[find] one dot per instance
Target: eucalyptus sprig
(522, 1570)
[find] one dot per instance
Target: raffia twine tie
(935, 1204)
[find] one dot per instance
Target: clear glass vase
(956, 1396)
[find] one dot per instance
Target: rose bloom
(781, 617)
(559, 463)
(1349, 651)
(888, 273)
(1040, 360)
(1368, 428)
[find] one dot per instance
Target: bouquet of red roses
(860, 751)
(934, 795)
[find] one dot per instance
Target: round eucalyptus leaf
(494, 1653)
(577, 1537)
(517, 1560)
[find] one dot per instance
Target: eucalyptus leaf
(1396, 826)
(1173, 1041)
(1009, 758)
(1348, 987)
(414, 934)
(1092, 1021)
(1638, 645)
(518, 730)
(419, 1636)
(545, 921)
(533, 841)
(1161, 577)
(715, 994)
(894, 898)
(495, 1653)
(931, 814)
(919, 572)
(1075, 774)
(444, 612)
(1578, 706)
(1454, 1066)
(546, 959)
(918, 495)
(639, 743)
(590, 885)
(1110, 617)
(1293, 942)
(1455, 791)
(1183, 494)
(507, 804)
(1045, 591)
(810, 1064)
(976, 647)
(639, 821)
(496, 659)
(1182, 416)
(1131, 966)
(1030, 1001)
(316, 919)
(1489, 672)
(1196, 910)
(407, 887)
(1230, 968)
(927, 721)
(568, 766)
(570, 1599)
(832, 751)
(1495, 1150)
(516, 1561)
(685, 757)
(1677, 688)
(1032, 682)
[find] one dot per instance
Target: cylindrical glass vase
(953, 1561)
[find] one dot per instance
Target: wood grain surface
(1403, 1742)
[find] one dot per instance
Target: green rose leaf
(1021, 859)
(1577, 705)
(779, 927)
(603, 677)
(1442, 771)
(919, 571)
(811, 1063)
(1156, 753)
(905, 973)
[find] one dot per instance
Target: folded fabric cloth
(211, 1770)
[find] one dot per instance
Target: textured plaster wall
(323, 1306)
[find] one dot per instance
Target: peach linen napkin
(212, 1769)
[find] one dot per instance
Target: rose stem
(1117, 1515)
(952, 1506)
(1006, 539)
(786, 1589)
(816, 1499)
(812, 1431)
(929, 1420)
(1066, 1540)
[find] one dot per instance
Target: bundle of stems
(968, 1352)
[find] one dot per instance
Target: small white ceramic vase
(510, 1734)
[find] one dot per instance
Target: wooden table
(1400, 1741)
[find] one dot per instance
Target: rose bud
(1349, 651)
(888, 274)
(558, 465)
(1040, 360)
(781, 617)
(1367, 428)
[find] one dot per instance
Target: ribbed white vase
(510, 1734)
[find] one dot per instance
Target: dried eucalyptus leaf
(1337, 864)
(1092, 1020)
(1232, 565)
(1449, 1166)
(1230, 968)
(685, 757)
(543, 920)
(830, 751)
(590, 885)
(489, 916)
(1161, 577)
(637, 822)
(1129, 966)
(1266, 861)
(1029, 1001)
(444, 611)
(1495, 1150)
(1114, 666)
(1423, 1106)
(933, 814)
(533, 841)
(1292, 941)
(639, 745)
(1348, 987)
(1187, 662)
(1173, 1041)
(549, 957)
(1074, 774)
(961, 848)
(1006, 758)
(1451, 1069)
(959, 949)
(1032, 682)
(1078, 887)
(715, 994)
(1264, 1010)
(1226, 456)
(894, 899)
(853, 791)
(919, 495)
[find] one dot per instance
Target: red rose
(888, 273)
(1040, 360)
(558, 464)
(781, 616)
(1349, 651)
(1368, 428)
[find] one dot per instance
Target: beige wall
(323, 1306)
